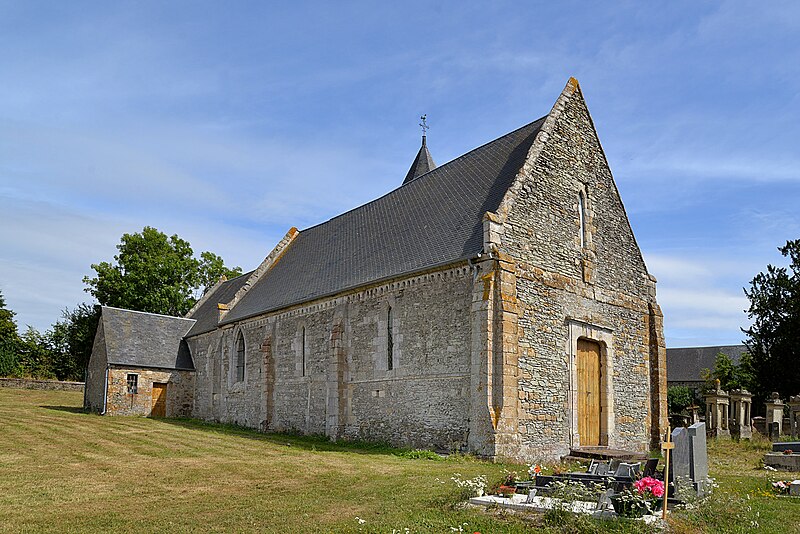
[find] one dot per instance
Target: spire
(423, 162)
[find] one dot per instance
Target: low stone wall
(29, 383)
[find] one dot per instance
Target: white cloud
(700, 297)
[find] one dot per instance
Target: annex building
(497, 304)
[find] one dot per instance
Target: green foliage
(8, 358)
(8, 328)
(212, 268)
(678, 398)
(420, 454)
(730, 375)
(60, 352)
(35, 354)
(9, 341)
(772, 339)
(155, 273)
(72, 339)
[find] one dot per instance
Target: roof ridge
(148, 313)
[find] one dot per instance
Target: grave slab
(698, 457)
(681, 455)
(781, 446)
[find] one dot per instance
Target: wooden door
(589, 392)
(159, 400)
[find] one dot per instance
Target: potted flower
(509, 485)
(644, 497)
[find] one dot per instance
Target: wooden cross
(666, 446)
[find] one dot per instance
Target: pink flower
(649, 485)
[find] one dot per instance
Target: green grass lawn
(64, 470)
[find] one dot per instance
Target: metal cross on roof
(424, 124)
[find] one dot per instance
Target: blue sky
(228, 123)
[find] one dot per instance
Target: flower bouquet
(781, 487)
(508, 487)
(644, 497)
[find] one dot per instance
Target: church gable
(578, 281)
(566, 201)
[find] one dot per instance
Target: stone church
(497, 304)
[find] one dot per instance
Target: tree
(9, 341)
(678, 398)
(154, 273)
(212, 268)
(35, 354)
(8, 328)
(772, 340)
(72, 339)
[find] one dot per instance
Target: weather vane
(424, 124)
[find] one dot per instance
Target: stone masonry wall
(180, 389)
(566, 286)
(346, 388)
(96, 373)
(30, 383)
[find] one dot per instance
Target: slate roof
(422, 164)
(139, 339)
(430, 221)
(207, 314)
(686, 364)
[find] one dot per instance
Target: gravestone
(604, 500)
(794, 488)
(681, 456)
(782, 446)
(775, 431)
(774, 408)
(698, 457)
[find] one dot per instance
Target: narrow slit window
(389, 340)
(240, 358)
(133, 384)
(582, 217)
(303, 351)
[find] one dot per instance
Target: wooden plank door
(159, 400)
(589, 393)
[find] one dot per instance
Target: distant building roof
(432, 220)
(140, 339)
(686, 364)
